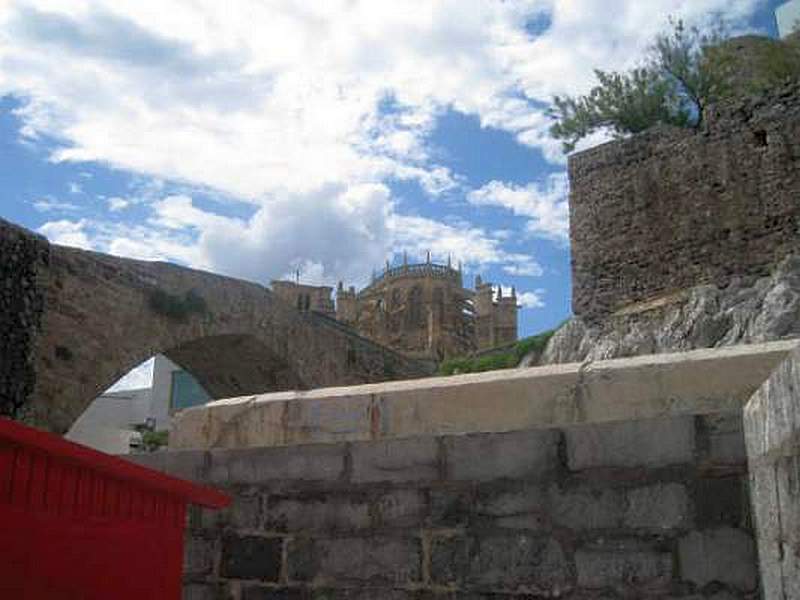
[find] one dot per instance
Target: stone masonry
(21, 307)
(670, 209)
(629, 482)
(651, 509)
(73, 322)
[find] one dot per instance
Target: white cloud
(287, 95)
(116, 203)
(305, 110)
(46, 205)
(544, 205)
(75, 188)
(67, 233)
(531, 299)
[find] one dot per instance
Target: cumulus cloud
(544, 205)
(67, 233)
(531, 299)
(293, 95)
(305, 110)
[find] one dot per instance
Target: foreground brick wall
(670, 208)
(643, 509)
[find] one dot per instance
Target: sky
(258, 138)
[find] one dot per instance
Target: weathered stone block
(586, 507)
(317, 512)
(720, 501)
(517, 507)
(260, 465)
(725, 438)
(450, 558)
(650, 443)
(415, 459)
(661, 506)
(400, 508)
(202, 591)
(487, 456)
(251, 557)
(450, 506)
(507, 562)
(369, 560)
(260, 592)
(725, 555)
(622, 564)
(186, 464)
(198, 555)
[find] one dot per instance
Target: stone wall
(671, 208)
(648, 509)
(772, 424)
(22, 258)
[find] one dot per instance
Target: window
(186, 391)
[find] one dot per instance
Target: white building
(788, 17)
(110, 422)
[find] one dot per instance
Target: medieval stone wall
(670, 209)
(647, 509)
(22, 258)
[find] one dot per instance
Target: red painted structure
(77, 524)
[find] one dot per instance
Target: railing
(422, 269)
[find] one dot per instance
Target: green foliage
(673, 87)
(509, 359)
(176, 307)
(153, 440)
(778, 62)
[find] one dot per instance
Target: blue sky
(273, 136)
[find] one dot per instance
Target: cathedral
(420, 310)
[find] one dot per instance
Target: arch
(98, 316)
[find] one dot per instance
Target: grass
(500, 360)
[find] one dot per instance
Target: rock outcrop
(705, 316)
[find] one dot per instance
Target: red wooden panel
(55, 474)
(7, 457)
(38, 481)
(20, 478)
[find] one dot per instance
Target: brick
(260, 465)
(320, 512)
(660, 507)
(450, 558)
(622, 564)
(488, 456)
(371, 560)
(724, 555)
(414, 459)
(201, 591)
(251, 557)
(645, 443)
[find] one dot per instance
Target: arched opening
(135, 412)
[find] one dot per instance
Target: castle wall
(670, 209)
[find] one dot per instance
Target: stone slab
(696, 382)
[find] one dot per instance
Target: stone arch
(92, 317)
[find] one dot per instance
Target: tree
(674, 86)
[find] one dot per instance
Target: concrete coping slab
(695, 382)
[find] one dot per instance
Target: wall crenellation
(671, 208)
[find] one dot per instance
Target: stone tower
(346, 305)
(495, 321)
